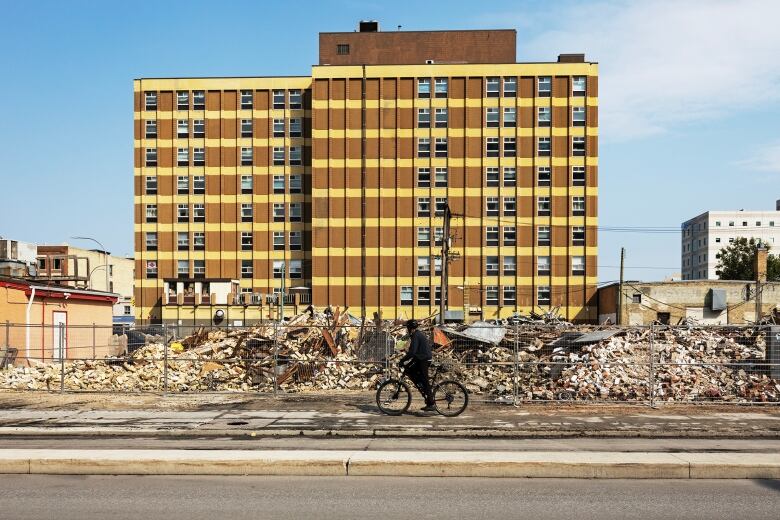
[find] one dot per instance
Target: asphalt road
(170, 498)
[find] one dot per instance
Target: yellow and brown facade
(336, 182)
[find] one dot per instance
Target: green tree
(735, 261)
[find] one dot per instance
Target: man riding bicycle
(416, 362)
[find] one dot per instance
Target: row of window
(496, 86)
(292, 268)
(294, 184)
(493, 209)
(197, 128)
(507, 265)
(196, 100)
(492, 292)
(745, 223)
(493, 119)
(294, 242)
(199, 212)
(292, 156)
(509, 234)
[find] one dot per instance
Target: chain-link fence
(511, 364)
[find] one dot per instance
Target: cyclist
(417, 360)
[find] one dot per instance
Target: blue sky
(689, 99)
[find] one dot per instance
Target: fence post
(652, 365)
(62, 357)
(165, 360)
(7, 333)
(93, 341)
(276, 358)
(515, 390)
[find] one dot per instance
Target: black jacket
(419, 347)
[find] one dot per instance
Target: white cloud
(764, 159)
(664, 63)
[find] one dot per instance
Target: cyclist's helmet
(412, 324)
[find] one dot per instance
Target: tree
(735, 261)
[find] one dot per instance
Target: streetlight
(105, 253)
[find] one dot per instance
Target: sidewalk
(355, 415)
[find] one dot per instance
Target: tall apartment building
(703, 236)
(334, 185)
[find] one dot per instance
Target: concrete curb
(549, 464)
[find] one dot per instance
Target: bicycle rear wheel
(450, 398)
(393, 397)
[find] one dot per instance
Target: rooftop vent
(777, 205)
(571, 58)
(368, 26)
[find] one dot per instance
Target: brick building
(334, 185)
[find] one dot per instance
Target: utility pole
(619, 318)
(760, 269)
(446, 258)
(281, 294)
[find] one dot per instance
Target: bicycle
(393, 396)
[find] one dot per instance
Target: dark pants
(417, 371)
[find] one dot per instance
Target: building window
(423, 265)
(183, 268)
(491, 177)
(491, 117)
(424, 295)
(423, 147)
(491, 265)
(182, 184)
(440, 205)
(199, 269)
(545, 86)
(278, 183)
(441, 118)
(543, 176)
(246, 99)
(296, 156)
(543, 118)
(543, 295)
(151, 269)
(278, 98)
(543, 206)
(510, 117)
(543, 236)
(198, 128)
(578, 85)
(423, 206)
(510, 265)
(296, 240)
(246, 269)
(182, 213)
(492, 87)
(151, 157)
(278, 127)
(578, 236)
(278, 156)
(491, 147)
(151, 129)
(636, 298)
(278, 212)
(510, 206)
(510, 146)
(182, 157)
(423, 88)
(577, 265)
(491, 206)
(199, 213)
(423, 236)
(296, 212)
(578, 206)
(407, 295)
(423, 118)
(198, 156)
(509, 295)
(440, 87)
(199, 100)
(151, 241)
(510, 235)
(578, 146)
(246, 184)
(296, 268)
(491, 295)
(246, 156)
(199, 184)
(182, 100)
(542, 265)
(182, 240)
(342, 49)
(441, 177)
(441, 147)
(437, 265)
(246, 241)
(543, 147)
(246, 128)
(296, 99)
(199, 240)
(491, 236)
(150, 100)
(578, 176)
(246, 212)
(423, 177)
(578, 116)
(296, 127)
(151, 185)
(278, 240)
(438, 236)
(510, 86)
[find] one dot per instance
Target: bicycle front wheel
(393, 397)
(450, 398)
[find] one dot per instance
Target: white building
(705, 235)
